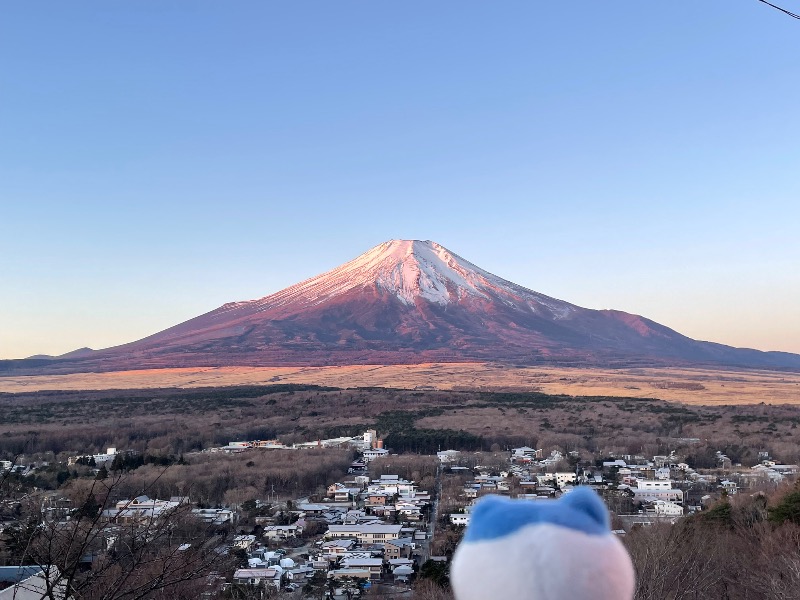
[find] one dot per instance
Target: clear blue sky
(159, 158)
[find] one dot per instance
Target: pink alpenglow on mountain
(411, 301)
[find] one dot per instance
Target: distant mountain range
(79, 353)
(408, 301)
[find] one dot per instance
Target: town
(389, 523)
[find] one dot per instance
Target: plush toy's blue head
(496, 516)
(542, 550)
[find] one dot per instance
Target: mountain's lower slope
(411, 302)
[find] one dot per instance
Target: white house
(662, 473)
(271, 576)
(141, 510)
(525, 454)
(448, 456)
(300, 573)
(105, 459)
(786, 469)
(662, 508)
(565, 478)
(554, 458)
(281, 532)
(459, 519)
(373, 453)
(651, 484)
(393, 484)
(650, 490)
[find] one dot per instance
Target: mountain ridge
(407, 301)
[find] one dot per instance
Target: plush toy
(542, 550)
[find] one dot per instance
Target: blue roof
(17, 574)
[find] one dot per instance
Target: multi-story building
(650, 490)
(369, 533)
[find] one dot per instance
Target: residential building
(651, 494)
(366, 534)
(377, 499)
(216, 516)
(525, 454)
(564, 478)
(650, 484)
(460, 519)
(349, 573)
(281, 532)
(399, 548)
(141, 510)
(663, 508)
(372, 454)
(337, 547)
(373, 565)
(267, 577)
(662, 473)
(448, 456)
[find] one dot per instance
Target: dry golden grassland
(172, 421)
(687, 385)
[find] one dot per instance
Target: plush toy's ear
(493, 517)
(587, 501)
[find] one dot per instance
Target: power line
(783, 10)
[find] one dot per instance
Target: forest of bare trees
(746, 547)
(92, 557)
(175, 422)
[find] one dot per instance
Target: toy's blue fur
(580, 509)
(542, 550)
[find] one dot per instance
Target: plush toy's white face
(541, 550)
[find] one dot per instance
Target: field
(168, 417)
(696, 386)
(172, 421)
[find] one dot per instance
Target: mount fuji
(411, 301)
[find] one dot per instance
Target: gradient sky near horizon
(160, 158)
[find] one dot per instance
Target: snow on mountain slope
(410, 270)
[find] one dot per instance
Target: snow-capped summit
(410, 270)
(411, 301)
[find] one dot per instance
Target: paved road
(426, 549)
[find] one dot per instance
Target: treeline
(430, 441)
(52, 425)
(402, 435)
(130, 461)
(743, 548)
(221, 479)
